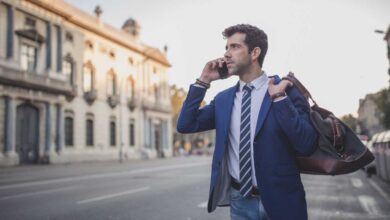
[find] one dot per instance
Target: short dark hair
(255, 37)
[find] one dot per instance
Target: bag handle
(290, 77)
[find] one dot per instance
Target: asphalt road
(165, 189)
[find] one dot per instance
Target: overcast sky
(329, 44)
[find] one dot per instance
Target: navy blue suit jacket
(283, 131)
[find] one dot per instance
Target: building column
(9, 126)
(59, 49)
(147, 133)
(10, 32)
(48, 45)
(59, 130)
(152, 135)
(47, 129)
(165, 134)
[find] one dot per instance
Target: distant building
(369, 116)
(73, 88)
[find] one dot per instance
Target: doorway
(27, 133)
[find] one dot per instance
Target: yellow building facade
(73, 88)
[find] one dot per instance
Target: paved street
(167, 189)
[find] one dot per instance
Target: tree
(350, 121)
(383, 103)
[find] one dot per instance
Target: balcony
(156, 106)
(12, 76)
(90, 96)
(132, 103)
(113, 100)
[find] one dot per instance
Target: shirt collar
(257, 83)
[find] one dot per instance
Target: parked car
(380, 147)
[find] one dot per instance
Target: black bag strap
(291, 77)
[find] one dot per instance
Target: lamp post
(387, 39)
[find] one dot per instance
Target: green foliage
(383, 103)
(350, 121)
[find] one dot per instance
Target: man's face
(237, 56)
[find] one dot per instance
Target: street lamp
(387, 39)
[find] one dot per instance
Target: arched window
(89, 132)
(68, 68)
(88, 77)
(112, 131)
(68, 131)
(112, 134)
(111, 83)
(130, 87)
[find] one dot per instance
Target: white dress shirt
(257, 97)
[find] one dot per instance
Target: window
(68, 69)
(156, 92)
(130, 87)
(69, 37)
(89, 133)
(111, 83)
(89, 44)
(68, 131)
(112, 134)
(28, 57)
(112, 54)
(131, 61)
(30, 23)
(131, 133)
(88, 78)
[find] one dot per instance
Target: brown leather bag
(339, 150)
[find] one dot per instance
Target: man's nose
(227, 54)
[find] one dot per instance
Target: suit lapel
(227, 106)
(265, 106)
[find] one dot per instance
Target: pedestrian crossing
(343, 197)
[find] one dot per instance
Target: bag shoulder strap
(291, 77)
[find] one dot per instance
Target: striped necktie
(245, 143)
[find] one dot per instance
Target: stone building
(73, 88)
(369, 116)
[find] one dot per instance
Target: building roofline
(88, 22)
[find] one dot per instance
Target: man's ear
(255, 53)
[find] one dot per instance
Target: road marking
(380, 190)
(103, 175)
(356, 182)
(202, 205)
(327, 198)
(369, 205)
(334, 214)
(36, 193)
(113, 195)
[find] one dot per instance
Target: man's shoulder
(226, 91)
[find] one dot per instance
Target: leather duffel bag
(339, 150)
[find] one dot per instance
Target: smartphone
(223, 71)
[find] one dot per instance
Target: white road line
(113, 195)
(380, 191)
(103, 175)
(202, 205)
(36, 193)
(356, 182)
(369, 205)
(328, 198)
(332, 214)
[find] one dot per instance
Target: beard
(240, 68)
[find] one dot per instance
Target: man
(261, 125)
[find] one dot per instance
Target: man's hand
(279, 88)
(210, 71)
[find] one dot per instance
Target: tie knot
(248, 87)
